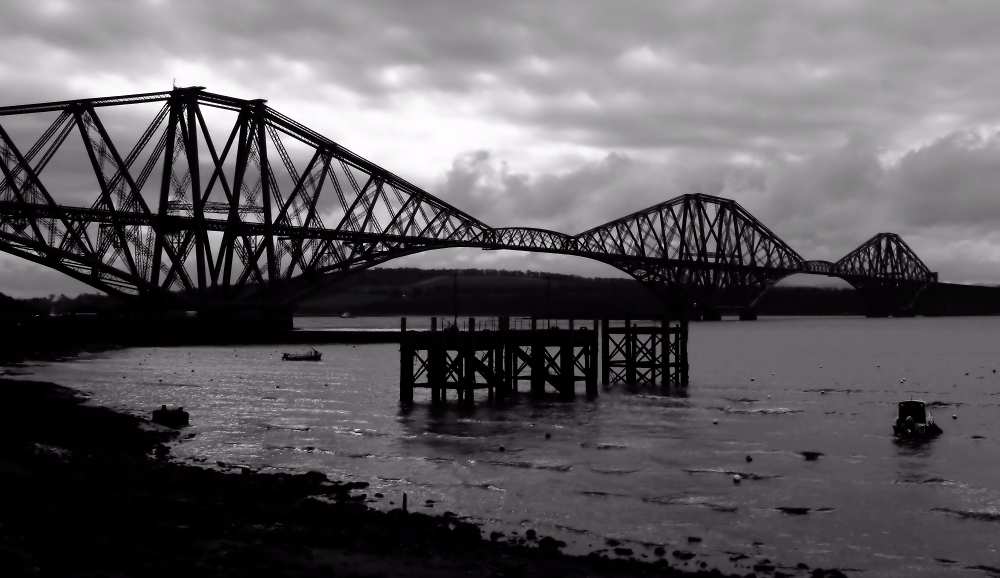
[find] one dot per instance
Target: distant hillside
(408, 291)
(491, 292)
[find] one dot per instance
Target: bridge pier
(497, 360)
(644, 354)
(711, 315)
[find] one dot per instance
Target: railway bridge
(224, 205)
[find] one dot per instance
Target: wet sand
(87, 491)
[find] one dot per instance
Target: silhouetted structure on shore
(497, 357)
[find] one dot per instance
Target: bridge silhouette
(272, 211)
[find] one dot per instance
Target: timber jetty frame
(496, 357)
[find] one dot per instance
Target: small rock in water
(548, 435)
(501, 448)
(749, 459)
(550, 543)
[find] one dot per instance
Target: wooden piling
(605, 352)
(666, 345)
(405, 366)
(434, 368)
(629, 353)
(538, 365)
(592, 364)
(468, 380)
(682, 352)
(567, 367)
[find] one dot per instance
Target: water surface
(637, 464)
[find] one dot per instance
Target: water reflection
(639, 464)
(649, 389)
(914, 447)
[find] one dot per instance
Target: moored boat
(914, 420)
(311, 355)
(174, 418)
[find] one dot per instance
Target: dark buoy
(501, 449)
(749, 459)
(548, 435)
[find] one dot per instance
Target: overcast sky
(829, 121)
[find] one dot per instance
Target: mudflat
(87, 491)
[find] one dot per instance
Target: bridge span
(226, 204)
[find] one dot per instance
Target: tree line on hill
(527, 293)
(410, 291)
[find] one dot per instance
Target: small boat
(346, 315)
(311, 355)
(174, 418)
(914, 420)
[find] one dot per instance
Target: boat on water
(171, 417)
(914, 420)
(311, 355)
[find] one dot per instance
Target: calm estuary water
(635, 464)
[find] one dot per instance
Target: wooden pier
(497, 358)
(648, 354)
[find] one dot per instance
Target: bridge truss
(224, 203)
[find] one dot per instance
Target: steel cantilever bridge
(226, 204)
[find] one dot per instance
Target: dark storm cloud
(712, 75)
(829, 121)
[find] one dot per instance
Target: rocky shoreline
(87, 491)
